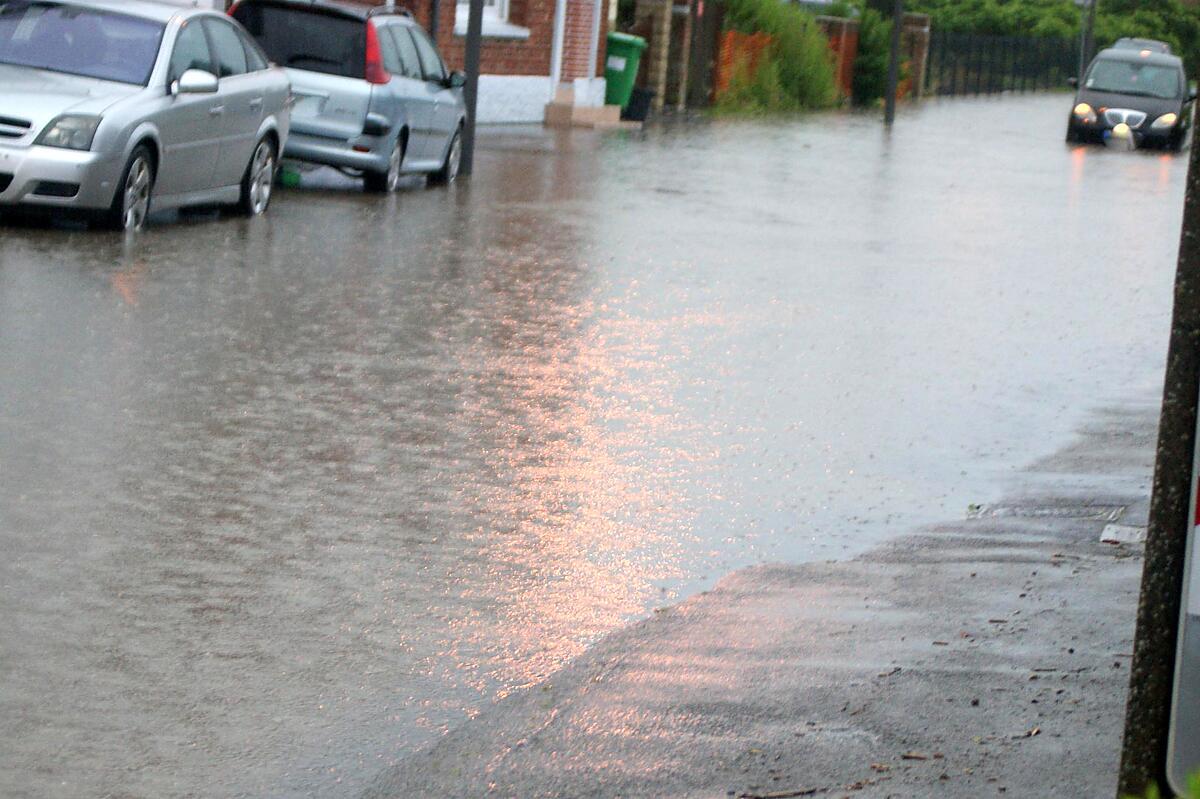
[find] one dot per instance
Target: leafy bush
(798, 60)
(1058, 18)
(1170, 20)
(754, 91)
(1193, 790)
(871, 63)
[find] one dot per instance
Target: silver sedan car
(117, 106)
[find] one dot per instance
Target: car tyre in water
(259, 181)
(131, 203)
(387, 182)
(449, 171)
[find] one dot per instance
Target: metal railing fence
(969, 63)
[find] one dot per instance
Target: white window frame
(495, 20)
(493, 11)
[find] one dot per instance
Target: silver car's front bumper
(44, 176)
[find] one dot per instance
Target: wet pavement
(282, 500)
(978, 657)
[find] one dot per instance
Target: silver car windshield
(79, 41)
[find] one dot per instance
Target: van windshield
(1134, 77)
(60, 37)
(307, 39)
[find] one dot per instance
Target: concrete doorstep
(982, 657)
(565, 112)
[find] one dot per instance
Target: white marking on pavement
(1123, 534)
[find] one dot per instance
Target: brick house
(530, 49)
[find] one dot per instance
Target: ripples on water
(280, 500)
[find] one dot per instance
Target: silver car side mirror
(195, 81)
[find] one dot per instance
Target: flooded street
(282, 499)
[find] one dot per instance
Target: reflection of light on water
(1164, 170)
(586, 516)
(1078, 159)
(1078, 162)
(126, 283)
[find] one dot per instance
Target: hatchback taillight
(374, 71)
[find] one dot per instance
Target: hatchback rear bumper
(55, 177)
(337, 153)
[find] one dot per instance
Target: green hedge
(874, 52)
(1169, 20)
(796, 71)
(1153, 793)
(1057, 18)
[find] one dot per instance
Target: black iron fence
(968, 63)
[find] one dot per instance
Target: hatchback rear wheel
(387, 182)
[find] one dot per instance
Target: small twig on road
(781, 794)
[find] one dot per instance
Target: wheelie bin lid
(627, 39)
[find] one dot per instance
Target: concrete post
(1144, 756)
(653, 18)
(893, 77)
(682, 52)
(1089, 39)
(471, 90)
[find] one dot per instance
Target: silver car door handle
(256, 103)
(216, 111)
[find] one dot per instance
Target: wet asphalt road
(281, 500)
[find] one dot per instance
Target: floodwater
(282, 499)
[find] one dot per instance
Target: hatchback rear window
(304, 39)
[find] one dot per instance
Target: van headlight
(71, 132)
(1085, 112)
(1165, 121)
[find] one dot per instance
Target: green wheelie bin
(621, 60)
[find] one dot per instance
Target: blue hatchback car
(372, 93)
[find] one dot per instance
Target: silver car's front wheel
(393, 174)
(259, 180)
(454, 159)
(449, 171)
(137, 194)
(131, 205)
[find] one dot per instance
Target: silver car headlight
(1165, 121)
(70, 131)
(1085, 112)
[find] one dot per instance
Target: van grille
(11, 128)
(1116, 116)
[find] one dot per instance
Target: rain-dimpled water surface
(282, 499)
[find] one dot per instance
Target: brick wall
(576, 40)
(520, 56)
(509, 56)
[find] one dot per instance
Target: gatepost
(1162, 718)
(1183, 743)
